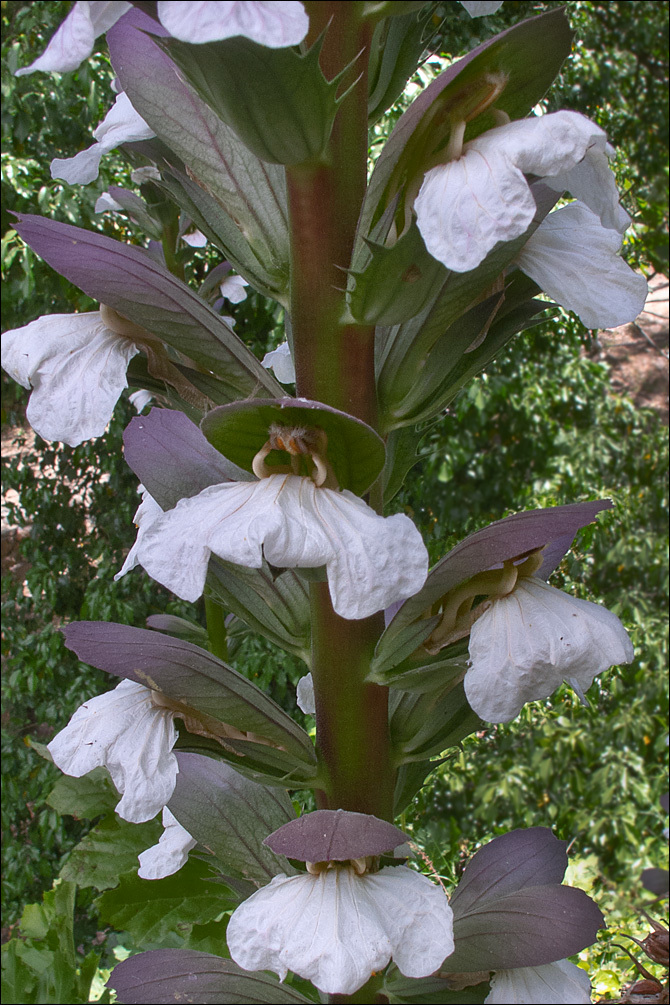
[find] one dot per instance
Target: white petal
(133, 738)
(171, 852)
(305, 695)
(105, 203)
(370, 560)
(528, 642)
(479, 8)
(376, 560)
(576, 261)
(77, 368)
(146, 513)
(592, 181)
(122, 124)
(73, 42)
(196, 239)
(465, 207)
(281, 361)
(275, 24)
(336, 928)
(232, 288)
(140, 399)
(148, 173)
(81, 169)
(560, 983)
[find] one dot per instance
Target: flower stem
(335, 364)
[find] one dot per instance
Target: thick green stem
(351, 716)
(335, 365)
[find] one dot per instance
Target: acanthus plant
(252, 119)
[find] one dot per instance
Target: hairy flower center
(306, 447)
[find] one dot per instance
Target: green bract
(240, 429)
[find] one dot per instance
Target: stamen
(258, 465)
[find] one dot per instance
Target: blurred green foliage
(540, 427)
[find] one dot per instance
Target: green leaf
(410, 777)
(276, 99)
(396, 49)
(153, 909)
(240, 429)
(84, 798)
(423, 725)
(230, 816)
(397, 282)
(108, 851)
(41, 968)
(257, 761)
(277, 607)
(403, 990)
(251, 193)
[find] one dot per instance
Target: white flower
(232, 288)
(76, 366)
(275, 24)
(305, 695)
(146, 513)
(468, 205)
(531, 640)
(140, 399)
(171, 852)
(194, 239)
(121, 124)
(105, 203)
(560, 983)
(479, 8)
(74, 40)
(337, 927)
(130, 735)
(370, 560)
(281, 361)
(576, 261)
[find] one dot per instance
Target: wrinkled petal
(77, 369)
(467, 206)
(376, 560)
(336, 928)
(275, 24)
(592, 182)
(232, 289)
(105, 203)
(560, 983)
(171, 852)
(479, 8)
(305, 695)
(146, 513)
(528, 642)
(196, 239)
(281, 361)
(73, 42)
(370, 560)
(122, 124)
(576, 261)
(133, 738)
